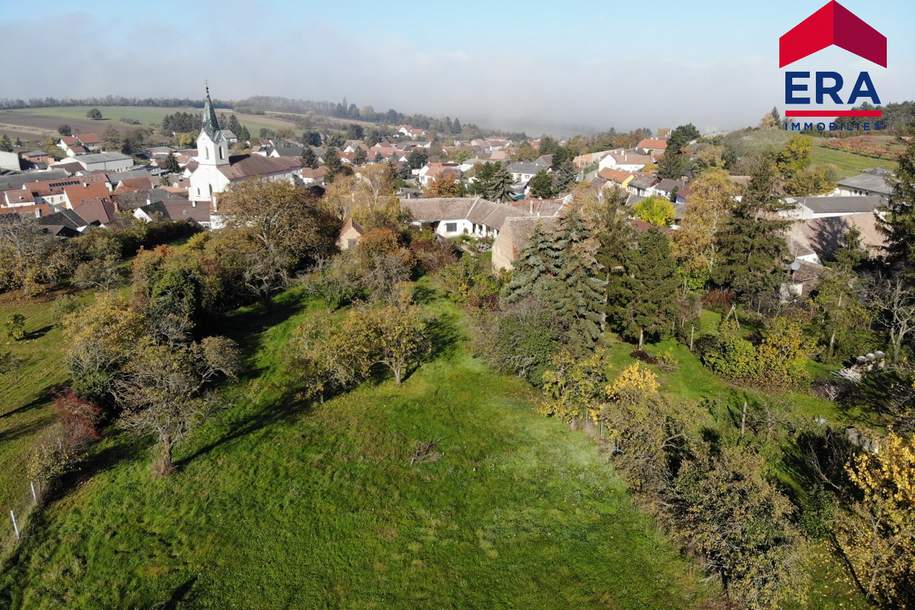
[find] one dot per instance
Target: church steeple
(210, 122)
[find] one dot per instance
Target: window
(450, 227)
(211, 191)
(222, 153)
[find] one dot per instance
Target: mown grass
(278, 504)
(847, 164)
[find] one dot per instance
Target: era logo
(829, 84)
(833, 24)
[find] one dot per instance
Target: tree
(65, 130)
(537, 267)
(95, 114)
(899, 225)
(579, 289)
(751, 245)
(98, 273)
(445, 186)
(771, 120)
(5, 144)
(673, 164)
(163, 390)
(284, 227)
(655, 210)
(712, 194)
(396, 335)
(564, 177)
(417, 158)
(112, 138)
(367, 197)
(332, 162)
(15, 327)
(541, 185)
(355, 131)
(741, 525)
(895, 308)
(499, 189)
(171, 164)
(309, 158)
(878, 535)
(841, 310)
(642, 299)
(360, 156)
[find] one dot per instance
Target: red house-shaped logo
(832, 25)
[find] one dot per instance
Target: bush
(79, 418)
(15, 327)
(519, 341)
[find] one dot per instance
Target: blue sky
(536, 65)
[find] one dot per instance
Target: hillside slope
(277, 505)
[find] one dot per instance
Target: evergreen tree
(541, 185)
(332, 161)
(642, 300)
(673, 164)
(537, 267)
(18, 142)
(899, 225)
(171, 164)
(500, 186)
(309, 158)
(565, 177)
(359, 157)
(5, 144)
(752, 248)
(578, 294)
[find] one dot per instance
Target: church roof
(210, 122)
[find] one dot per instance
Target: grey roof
(210, 122)
(643, 182)
(871, 181)
(667, 185)
(526, 167)
(842, 205)
(103, 157)
(14, 181)
(65, 218)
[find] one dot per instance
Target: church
(216, 169)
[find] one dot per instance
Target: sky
(558, 67)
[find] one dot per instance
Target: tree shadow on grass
(123, 448)
(43, 397)
(181, 594)
(284, 409)
(25, 429)
(38, 333)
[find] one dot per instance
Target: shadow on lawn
(43, 397)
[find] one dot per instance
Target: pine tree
(564, 177)
(171, 164)
(332, 161)
(579, 291)
(541, 185)
(500, 187)
(899, 226)
(5, 144)
(538, 266)
(752, 248)
(642, 300)
(309, 158)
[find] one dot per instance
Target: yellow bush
(636, 382)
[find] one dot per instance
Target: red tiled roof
(653, 143)
(77, 194)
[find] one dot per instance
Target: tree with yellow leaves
(710, 200)
(878, 535)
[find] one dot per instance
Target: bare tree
(895, 304)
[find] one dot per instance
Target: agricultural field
(281, 505)
(36, 124)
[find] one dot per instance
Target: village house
(431, 172)
(653, 147)
(641, 184)
(350, 234)
(523, 171)
(627, 161)
(105, 161)
(588, 159)
(807, 208)
(873, 182)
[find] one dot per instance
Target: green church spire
(210, 122)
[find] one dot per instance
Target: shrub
(634, 384)
(574, 387)
(520, 340)
(15, 327)
(79, 418)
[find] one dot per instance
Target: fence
(19, 510)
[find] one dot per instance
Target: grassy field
(25, 402)
(846, 163)
(278, 505)
(46, 120)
